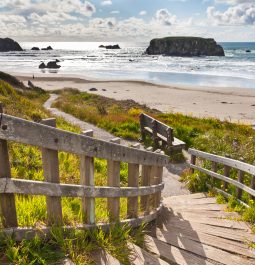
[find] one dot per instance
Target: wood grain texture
(133, 181)
(250, 169)
(7, 201)
(23, 131)
(31, 187)
(51, 174)
(145, 181)
(87, 179)
(113, 180)
(229, 180)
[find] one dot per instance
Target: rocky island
(110, 47)
(9, 45)
(184, 47)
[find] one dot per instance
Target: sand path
(171, 173)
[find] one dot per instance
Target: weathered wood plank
(145, 181)
(101, 257)
(210, 240)
(133, 181)
(226, 161)
(229, 180)
(141, 257)
(171, 253)
(40, 135)
(21, 233)
(211, 221)
(113, 180)
(7, 201)
(240, 179)
(228, 233)
(206, 251)
(51, 174)
(226, 174)
(87, 179)
(30, 187)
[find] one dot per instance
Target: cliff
(185, 46)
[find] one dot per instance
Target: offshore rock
(184, 47)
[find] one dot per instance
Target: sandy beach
(233, 104)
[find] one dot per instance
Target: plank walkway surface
(193, 229)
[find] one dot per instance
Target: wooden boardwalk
(194, 229)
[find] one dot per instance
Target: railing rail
(52, 140)
(161, 133)
(244, 170)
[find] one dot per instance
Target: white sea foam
(237, 69)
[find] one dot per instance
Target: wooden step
(210, 240)
(172, 253)
(101, 257)
(197, 250)
(141, 257)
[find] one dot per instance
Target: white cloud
(115, 12)
(143, 13)
(233, 2)
(242, 14)
(12, 18)
(165, 17)
(106, 3)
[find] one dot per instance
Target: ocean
(86, 59)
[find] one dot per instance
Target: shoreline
(225, 103)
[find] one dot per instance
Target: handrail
(144, 195)
(250, 169)
(228, 163)
(32, 133)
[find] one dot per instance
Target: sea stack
(9, 45)
(184, 47)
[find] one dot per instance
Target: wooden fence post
(7, 201)
(253, 184)
(226, 174)
(133, 181)
(155, 135)
(145, 200)
(142, 125)
(240, 179)
(87, 179)
(113, 172)
(214, 169)
(51, 174)
(193, 160)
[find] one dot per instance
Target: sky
(126, 20)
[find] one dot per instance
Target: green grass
(26, 163)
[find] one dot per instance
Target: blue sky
(126, 20)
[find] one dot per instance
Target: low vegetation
(26, 163)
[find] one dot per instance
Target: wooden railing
(51, 140)
(162, 135)
(245, 173)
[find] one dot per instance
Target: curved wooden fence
(245, 173)
(147, 186)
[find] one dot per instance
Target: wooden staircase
(194, 229)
